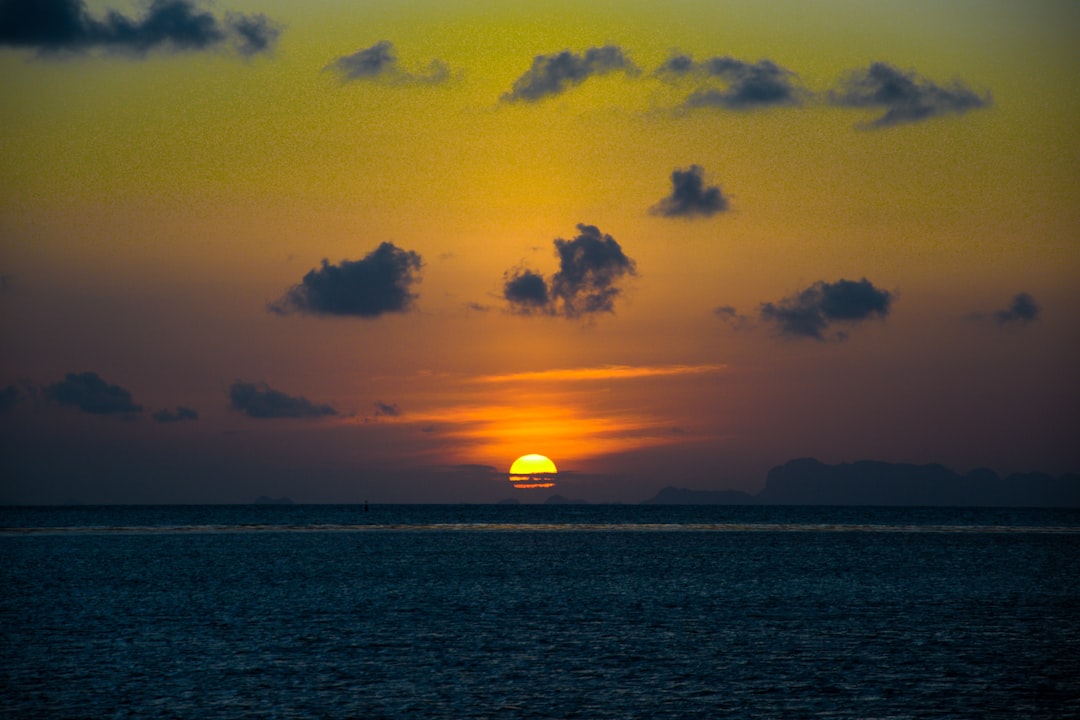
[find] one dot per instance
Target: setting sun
(532, 465)
(532, 471)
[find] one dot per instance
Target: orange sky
(668, 244)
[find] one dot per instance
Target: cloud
(90, 394)
(733, 317)
(590, 269)
(527, 291)
(905, 96)
(67, 26)
(604, 372)
(553, 74)
(380, 62)
(182, 413)
(747, 85)
(259, 400)
(689, 196)
(8, 397)
(365, 288)
(810, 312)
(387, 409)
(1023, 310)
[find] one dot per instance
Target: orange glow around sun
(532, 471)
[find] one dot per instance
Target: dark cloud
(553, 74)
(689, 196)
(590, 269)
(386, 409)
(747, 85)
(527, 292)
(90, 394)
(1023, 309)
(810, 312)
(733, 317)
(253, 33)
(9, 396)
(365, 288)
(67, 26)
(259, 400)
(905, 96)
(180, 414)
(379, 61)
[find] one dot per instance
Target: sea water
(538, 612)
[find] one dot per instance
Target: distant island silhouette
(808, 481)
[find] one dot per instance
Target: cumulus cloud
(553, 74)
(379, 283)
(380, 62)
(67, 26)
(690, 197)
(746, 85)
(259, 400)
(591, 266)
(526, 291)
(90, 394)
(904, 96)
(810, 313)
(179, 415)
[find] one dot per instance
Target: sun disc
(533, 464)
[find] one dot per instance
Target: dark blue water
(539, 612)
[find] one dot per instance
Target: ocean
(539, 611)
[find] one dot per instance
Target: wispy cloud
(554, 74)
(905, 96)
(379, 62)
(603, 372)
(259, 400)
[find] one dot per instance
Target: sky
(376, 251)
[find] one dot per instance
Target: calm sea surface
(539, 612)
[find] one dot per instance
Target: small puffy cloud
(1023, 309)
(690, 197)
(811, 312)
(90, 394)
(380, 62)
(67, 26)
(591, 266)
(526, 291)
(259, 400)
(553, 74)
(179, 415)
(379, 283)
(746, 85)
(904, 96)
(387, 409)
